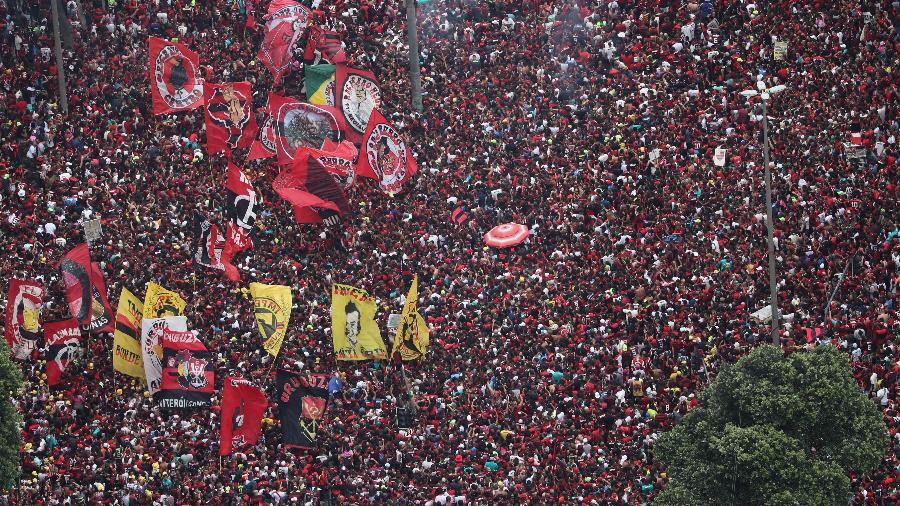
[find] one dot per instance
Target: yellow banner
(272, 307)
(159, 302)
(412, 336)
(353, 328)
(127, 358)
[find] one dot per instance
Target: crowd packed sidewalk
(553, 366)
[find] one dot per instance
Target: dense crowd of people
(553, 366)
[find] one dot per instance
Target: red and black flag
(241, 214)
(357, 94)
(385, 156)
(313, 192)
(243, 406)
(264, 144)
(23, 311)
(175, 81)
(323, 46)
(296, 124)
(302, 399)
(188, 372)
(86, 290)
(210, 243)
(63, 340)
(460, 215)
(286, 22)
(230, 120)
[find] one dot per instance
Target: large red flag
(243, 406)
(356, 95)
(23, 306)
(63, 340)
(385, 156)
(323, 45)
(86, 290)
(175, 81)
(313, 192)
(296, 124)
(285, 22)
(230, 121)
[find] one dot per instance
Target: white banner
(151, 346)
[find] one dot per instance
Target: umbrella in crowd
(506, 235)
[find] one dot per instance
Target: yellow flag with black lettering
(353, 328)
(127, 357)
(411, 340)
(272, 307)
(159, 302)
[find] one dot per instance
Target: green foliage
(774, 429)
(10, 437)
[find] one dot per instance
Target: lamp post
(764, 93)
(415, 74)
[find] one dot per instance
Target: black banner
(302, 399)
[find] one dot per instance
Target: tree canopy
(774, 429)
(10, 437)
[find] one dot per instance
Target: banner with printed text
(354, 331)
(126, 353)
(272, 307)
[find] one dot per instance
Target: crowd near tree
(611, 133)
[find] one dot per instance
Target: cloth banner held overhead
(302, 399)
(151, 346)
(188, 374)
(86, 290)
(126, 353)
(243, 406)
(23, 307)
(160, 302)
(175, 81)
(354, 330)
(411, 340)
(63, 339)
(272, 307)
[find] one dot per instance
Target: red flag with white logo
(175, 81)
(243, 406)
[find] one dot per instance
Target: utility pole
(770, 226)
(60, 65)
(415, 74)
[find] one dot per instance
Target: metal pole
(770, 225)
(415, 74)
(60, 66)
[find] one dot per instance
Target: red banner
(385, 156)
(357, 94)
(23, 306)
(175, 81)
(285, 23)
(86, 290)
(230, 120)
(243, 406)
(63, 340)
(297, 124)
(188, 374)
(323, 45)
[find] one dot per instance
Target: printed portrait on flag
(174, 77)
(86, 290)
(411, 340)
(386, 156)
(358, 95)
(23, 305)
(354, 330)
(230, 121)
(285, 23)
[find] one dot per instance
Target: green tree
(10, 437)
(774, 429)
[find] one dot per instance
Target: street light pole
(770, 226)
(415, 74)
(60, 65)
